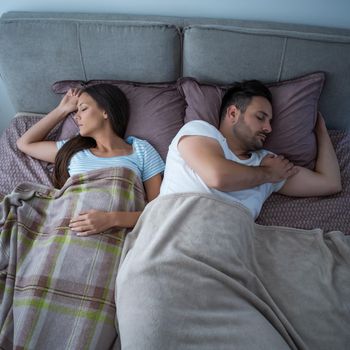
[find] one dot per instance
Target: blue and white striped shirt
(144, 161)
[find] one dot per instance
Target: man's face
(253, 126)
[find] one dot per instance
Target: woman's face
(89, 116)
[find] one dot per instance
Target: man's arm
(325, 179)
(205, 156)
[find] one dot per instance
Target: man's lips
(262, 136)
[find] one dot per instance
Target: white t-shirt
(179, 177)
(145, 161)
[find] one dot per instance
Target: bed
(205, 283)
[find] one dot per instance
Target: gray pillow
(295, 105)
(156, 111)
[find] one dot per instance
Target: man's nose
(267, 127)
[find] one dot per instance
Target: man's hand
(320, 127)
(278, 168)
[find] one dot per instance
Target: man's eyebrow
(265, 114)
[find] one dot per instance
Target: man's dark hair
(241, 94)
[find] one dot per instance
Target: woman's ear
(105, 115)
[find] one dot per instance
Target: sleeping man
(197, 272)
(231, 162)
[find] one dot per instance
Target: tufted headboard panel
(37, 49)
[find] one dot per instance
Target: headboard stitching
(80, 51)
(283, 55)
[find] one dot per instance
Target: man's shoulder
(199, 128)
(263, 152)
(258, 155)
(199, 124)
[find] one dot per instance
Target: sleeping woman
(102, 116)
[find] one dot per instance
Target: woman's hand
(91, 222)
(69, 102)
(33, 142)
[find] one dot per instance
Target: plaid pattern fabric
(56, 288)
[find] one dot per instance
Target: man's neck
(234, 146)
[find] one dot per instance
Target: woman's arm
(94, 221)
(32, 141)
(152, 187)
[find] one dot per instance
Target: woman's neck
(109, 145)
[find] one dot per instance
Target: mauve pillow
(17, 167)
(294, 105)
(156, 111)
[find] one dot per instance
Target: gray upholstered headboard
(37, 49)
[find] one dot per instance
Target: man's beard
(258, 142)
(251, 142)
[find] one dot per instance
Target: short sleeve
(198, 128)
(278, 185)
(152, 162)
(59, 144)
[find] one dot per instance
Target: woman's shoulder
(60, 143)
(140, 145)
(135, 141)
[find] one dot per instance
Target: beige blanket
(202, 275)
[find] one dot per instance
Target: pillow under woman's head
(156, 111)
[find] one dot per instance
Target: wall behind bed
(324, 13)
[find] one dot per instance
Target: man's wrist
(264, 175)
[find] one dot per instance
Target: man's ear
(232, 114)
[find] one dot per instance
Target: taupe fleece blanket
(202, 275)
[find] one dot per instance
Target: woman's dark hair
(241, 94)
(111, 99)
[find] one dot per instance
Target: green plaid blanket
(56, 288)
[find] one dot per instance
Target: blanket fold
(202, 275)
(56, 288)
